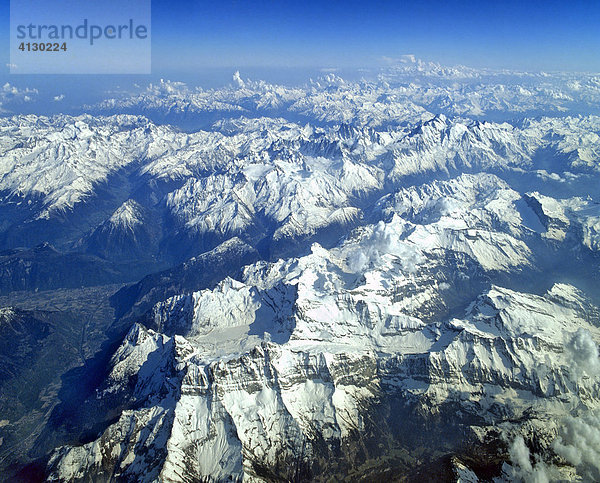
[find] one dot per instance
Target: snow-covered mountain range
(393, 279)
(403, 93)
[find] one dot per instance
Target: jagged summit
(237, 80)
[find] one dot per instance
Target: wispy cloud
(579, 444)
(402, 59)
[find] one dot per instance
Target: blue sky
(539, 35)
(190, 35)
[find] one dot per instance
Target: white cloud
(519, 454)
(579, 444)
(10, 94)
(402, 59)
(8, 89)
(523, 469)
(237, 80)
(59, 98)
(584, 353)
